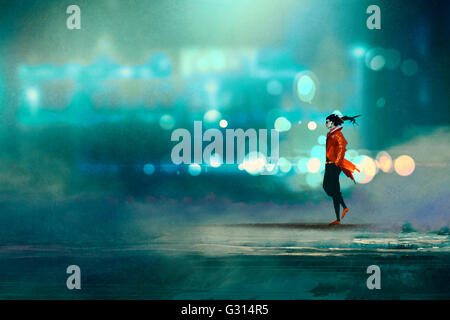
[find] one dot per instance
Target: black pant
(332, 187)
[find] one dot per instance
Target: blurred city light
(312, 125)
(194, 169)
(254, 163)
(318, 152)
(367, 167)
(375, 59)
(274, 87)
(358, 52)
(167, 122)
(282, 124)
(223, 123)
(306, 87)
(215, 160)
(377, 63)
(149, 169)
(126, 72)
(284, 165)
(404, 165)
(384, 161)
(302, 165)
(32, 96)
(322, 140)
(313, 165)
(212, 116)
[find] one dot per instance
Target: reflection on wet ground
(240, 261)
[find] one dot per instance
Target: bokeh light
(223, 123)
(254, 163)
(302, 165)
(194, 169)
(404, 165)
(32, 95)
(126, 72)
(367, 167)
(409, 67)
(384, 161)
(284, 165)
(377, 63)
(212, 116)
(318, 152)
(149, 169)
(358, 52)
(211, 86)
(215, 160)
(375, 59)
(282, 124)
(313, 165)
(322, 140)
(274, 87)
(312, 125)
(306, 86)
(167, 122)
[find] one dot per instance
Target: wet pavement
(236, 261)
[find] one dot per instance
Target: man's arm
(340, 150)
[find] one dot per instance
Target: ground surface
(235, 261)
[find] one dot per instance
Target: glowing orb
(313, 165)
(312, 125)
(126, 72)
(149, 169)
(167, 122)
(284, 164)
(375, 58)
(318, 152)
(212, 116)
(215, 160)
(322, 140)
(194, 169)
(254, 163)
(32, 95)
(384, 161)
(282, 124)
(302, 165)
(306, 86)
(223, 123)
(274, 87)
(368, 169)
(404, 165)
(377, 63)
(358, 52)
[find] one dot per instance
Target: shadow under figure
(335, 163)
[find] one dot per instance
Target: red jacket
(336, 146)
